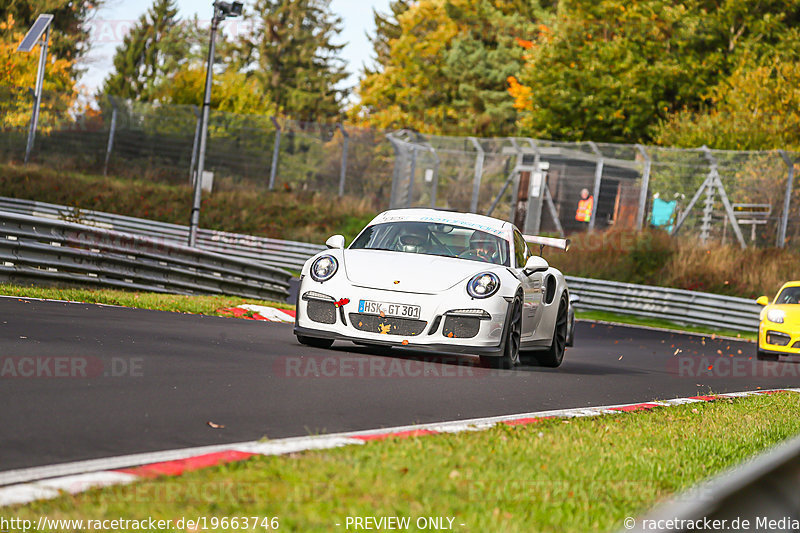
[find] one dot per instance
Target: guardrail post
(598, 177)
(343, 170)
(273, 169)
(112, 130)
(787, 199)
(476, 182)
(643, 193)
(193, 164)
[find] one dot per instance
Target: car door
(531, 287)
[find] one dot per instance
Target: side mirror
(762, 300)
(335, 242)
(535, 264)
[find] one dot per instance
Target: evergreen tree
(292, 54)
(386, 28)
(153, 50)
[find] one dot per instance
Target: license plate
(388, 309)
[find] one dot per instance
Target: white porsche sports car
(438, 280)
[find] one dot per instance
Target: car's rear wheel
(510, 356)
(315, 342)
(553, 356)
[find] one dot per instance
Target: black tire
(315, 342)
(510, 357)
(764, 356)
(571, 328)
(553, 356)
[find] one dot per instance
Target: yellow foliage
(18, 73)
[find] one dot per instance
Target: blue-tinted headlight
(483, 285)
(324, 267)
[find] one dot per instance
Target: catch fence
(748, 198)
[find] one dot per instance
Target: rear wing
(562, 244)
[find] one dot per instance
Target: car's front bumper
(429, 331)
(792, 347)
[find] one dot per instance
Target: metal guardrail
(626, 298)
(44, 251)
(282, 254)
(677, 305)
(760, 495)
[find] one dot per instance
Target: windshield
(789, 295)
(434, 239)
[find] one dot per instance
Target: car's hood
(407, 272)
(792, 312)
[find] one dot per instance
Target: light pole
(222, 10)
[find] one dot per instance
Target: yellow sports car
(779, 330)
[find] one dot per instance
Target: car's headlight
(483, 285)
(324, 267)
(776, 315)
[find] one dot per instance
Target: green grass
(660, 323)
(205, 305)
(553, 476)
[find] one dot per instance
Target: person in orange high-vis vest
(584, 212)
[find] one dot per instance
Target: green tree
(613, 70)
(292, 54)
(756, 108)
(69, 39)
(446, 72)
(150, 53)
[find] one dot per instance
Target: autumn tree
(69, 39)
(446, 69)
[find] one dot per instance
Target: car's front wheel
(315, 342)
(510, 356)
(554, 355)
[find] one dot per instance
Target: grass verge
(665, 324)
(202, 305)
(557, 475)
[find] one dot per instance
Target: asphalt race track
(81, 381)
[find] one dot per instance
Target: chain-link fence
(543, 186)
(160, 143)
(748, 198)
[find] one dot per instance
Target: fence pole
(435, 184)
(111, 133)
(787, 199)
(38, 94)
(598, 177)
(644, 192)
(411, 177)
(273, 169)
(193, 163)
(343, 171)
(395, 171)
(476, 182)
